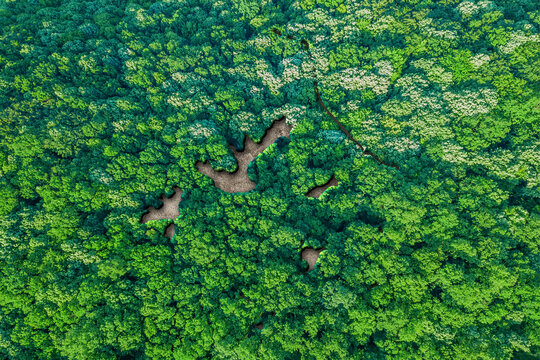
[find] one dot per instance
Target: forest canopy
(432, 252)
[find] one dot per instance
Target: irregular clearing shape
(318, 190)
(169, 210)
(311, 256)
(238, 181)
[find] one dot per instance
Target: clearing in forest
(239, 181)
(169, 210)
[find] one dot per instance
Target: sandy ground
(239, 181)
(318, 190)
(169, 210)
(311, 256)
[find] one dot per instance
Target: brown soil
(318, 190)
(259, 326)
(311, 256)
(169, 231)
(169, 210)
(238, 181)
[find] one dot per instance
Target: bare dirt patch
(169, 210)
(238, 181)
(318, 190)
(311, 256)
(169, 231)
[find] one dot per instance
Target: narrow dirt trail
(320, 101)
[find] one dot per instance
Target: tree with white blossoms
(412, 169)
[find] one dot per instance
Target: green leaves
(458, 61)
(480, 133)
(105, 106)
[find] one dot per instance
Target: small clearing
(311, 255)
(238, 181)
(169, 210)
(318, 190)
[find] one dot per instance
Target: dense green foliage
(105, 105)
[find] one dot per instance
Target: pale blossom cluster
(360, 79)
(431, 125)
(320, 58)
(381, 24)
(395, 107)
(531, 155)
(199, 101)
(170, 86)
(246, 70)
(87, 62)
(256, 92)
(8, 241)
(471, 8)
(412, 84)
(100, 175)
(370, 131)
(290, 70)
(453, 152)
(142, 16)
(471, 102)
(429, 103)
(435, 72)
(292, 113)
(384, 68)
(261, 71)
(219, 4)
(479, 59)
(500, 162)
(402, 144)
(352, 105)
(125, 53)
(180, 77)
(321, 16)
(203, 128)
(244, 121)
(78, 253)
(118, 199)
(518, 38)
(432, 31)
(120, 125)
(363, 13)
(506, 164)
(306, 27)
(261, 42)
(345, 32)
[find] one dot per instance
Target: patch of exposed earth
(311, 256)
(239, 181)
(169, 210)
(318, 190)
